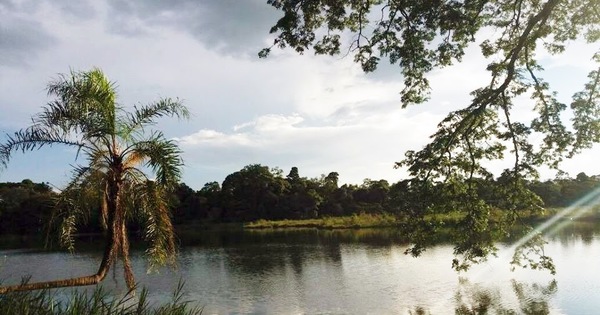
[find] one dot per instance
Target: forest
(260, 192)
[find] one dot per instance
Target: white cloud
(277, 123)
(213, 138)
(356, 150)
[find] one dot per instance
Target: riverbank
(353, 221)
(356, 221)
(389, 220)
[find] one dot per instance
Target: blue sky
(320, 114)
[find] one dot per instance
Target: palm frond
(133, 179)
(89, 90)
(99, 159)
(153, 210)
(133, 159)
(66, 119)
(134, 176)
(145, 115)
(76, 202)
(31, 139)
(83, 114)
(163, 157)
(86, 103)
(68, 228)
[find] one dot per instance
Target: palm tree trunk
(107, 259)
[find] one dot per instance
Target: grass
(98, 301)
(364, 220)
(354, 221)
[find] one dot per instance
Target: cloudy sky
(320, 114)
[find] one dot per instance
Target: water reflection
(476, 299)
(575, 231)
(345, 272)
(224, 238)
(531, 299)
(365, 271)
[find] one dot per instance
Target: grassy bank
(353, 221)
(389, 220)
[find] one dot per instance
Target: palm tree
(118, 147)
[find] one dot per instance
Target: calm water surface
(343, 272)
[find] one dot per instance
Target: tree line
(260, 192)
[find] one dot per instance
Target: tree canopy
(420, 36)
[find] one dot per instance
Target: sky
(318, 113)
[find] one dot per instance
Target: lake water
(343, 272)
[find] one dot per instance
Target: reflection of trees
(266, 260)
(373, 237)
(587, 236)
(473, 299)
(532, 299)
(275, 250)
(272, 251)
(419, 310)
(571, 231)
(261, 260)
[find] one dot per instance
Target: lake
(360, 271)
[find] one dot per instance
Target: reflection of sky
(320, 114)
(278, 274)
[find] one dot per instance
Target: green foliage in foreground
(99, 301)
(424, 36)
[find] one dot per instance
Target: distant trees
(24, 207)
(259, 192)
(186, 204)
(373, 195)
(562, 192)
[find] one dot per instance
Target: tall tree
(118, 147)
(294, 179)
(300, 203)
(421, 36)
(253, 192)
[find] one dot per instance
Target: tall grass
(362, 220)
(366, 220)
(96, 302)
